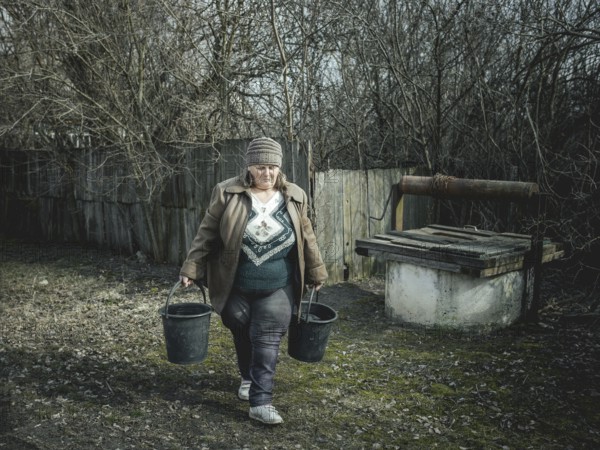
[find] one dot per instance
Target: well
(456, 278)
(462, 278)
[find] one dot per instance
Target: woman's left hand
(316, 286)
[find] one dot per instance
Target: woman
(256, 249)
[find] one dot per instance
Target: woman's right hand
(185, 281)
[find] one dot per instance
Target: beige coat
(215, 251)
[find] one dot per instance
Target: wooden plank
(386, 246)
(516, 236)
(455, 268)
(455, 236)
(463, 230)
(410, 242)
(474, 260)
(443, 245)
(346, 229)
(435, 234)
(516, 263)
(486, 249)
(493, 245)
(425, 240)
(355, 221)
(328, 205)
(359, 224)
(376, 215)
(384, 237)
(375, 202)
(497, 240)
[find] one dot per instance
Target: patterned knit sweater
(268, 239)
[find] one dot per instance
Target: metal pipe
(442, 186)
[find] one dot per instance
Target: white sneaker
(244, 390)
(265, 414)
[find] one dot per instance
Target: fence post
(537, 205)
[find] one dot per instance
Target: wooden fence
(352, 204)
(88, 197)
(88, 200)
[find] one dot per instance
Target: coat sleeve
(207, 239)
(315, 271)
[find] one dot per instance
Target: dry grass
(83, 365)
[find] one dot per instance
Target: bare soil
(83, 365)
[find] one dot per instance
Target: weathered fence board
(329, 220)
(355, 222)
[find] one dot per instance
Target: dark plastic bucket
(186, 327)
(308, 337)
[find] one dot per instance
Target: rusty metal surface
(442, 186)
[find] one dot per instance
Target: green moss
(442, 390)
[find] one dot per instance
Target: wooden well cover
(476, 252)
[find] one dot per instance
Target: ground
(83, 365)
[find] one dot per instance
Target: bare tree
(506, 89)
(139, 81)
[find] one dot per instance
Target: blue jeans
(258, 322)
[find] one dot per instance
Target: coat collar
(294, 191)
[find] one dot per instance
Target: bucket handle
(173, 289)
(307, 320)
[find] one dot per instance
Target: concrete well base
(432, 297)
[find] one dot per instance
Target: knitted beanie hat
(264, 151)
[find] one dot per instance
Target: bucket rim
(317, 321)
(163, 312)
